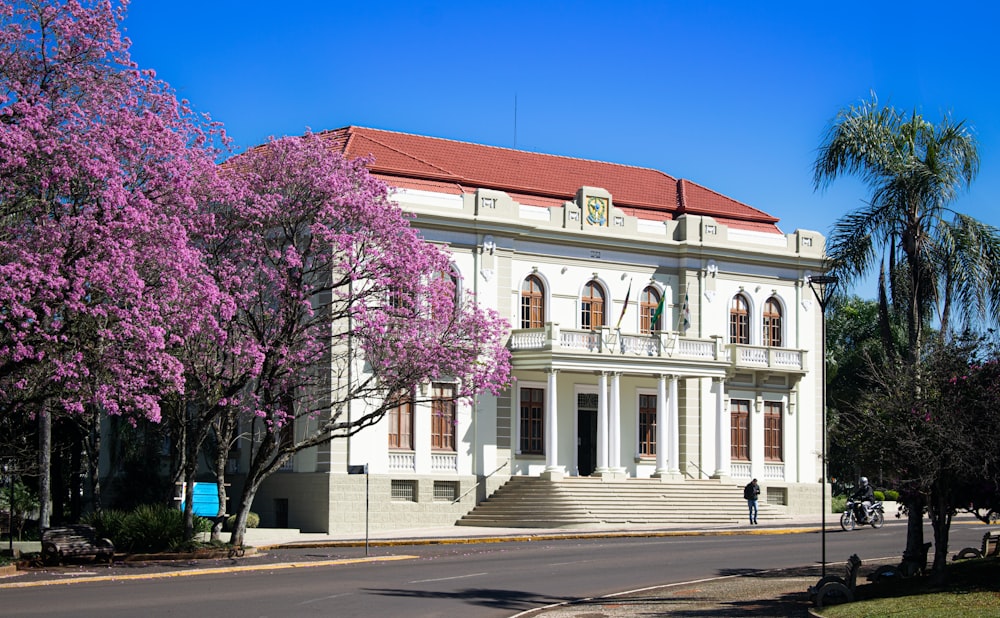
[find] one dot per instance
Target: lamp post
(823, 286)
(8, 471)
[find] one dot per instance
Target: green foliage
(253, 520)
(892, 495)
(838, 504)
(879, 495)
(145, 529)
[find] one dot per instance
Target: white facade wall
(496, 249)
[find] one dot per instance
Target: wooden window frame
(592, 306)
(772, 323)
(739, 424)
(773, 431)
(443, 417)
(739, 320)
(648, 302)
(400, 418)
(532, 302)
(647, 425)
(531, 421)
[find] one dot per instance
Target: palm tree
(938, 260)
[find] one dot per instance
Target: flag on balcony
(684, 319)
(624, 306)
(659, 310)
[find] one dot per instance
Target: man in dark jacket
(750, 494)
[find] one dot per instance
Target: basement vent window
(445, 491)
(777, 495)
(404, 490)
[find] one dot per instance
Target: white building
(724, 383)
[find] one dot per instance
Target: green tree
(954, 427)
(930, 258)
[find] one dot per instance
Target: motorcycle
(875, 517)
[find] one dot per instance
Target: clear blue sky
(735, 96)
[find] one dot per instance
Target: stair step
(531, 502)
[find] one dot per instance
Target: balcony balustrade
(610, 342)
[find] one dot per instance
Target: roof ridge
(405, 154)
(530, 152)
(731, 199)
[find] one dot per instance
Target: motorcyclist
(864, 498)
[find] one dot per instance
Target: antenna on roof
(515, 120)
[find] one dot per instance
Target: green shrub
(892, 495)
(838, 504)
(880, 496)
(253, 520)
(108, 523)
(146, 529)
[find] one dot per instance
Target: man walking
(750, 493)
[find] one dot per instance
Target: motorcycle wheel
(847, 521)
(877, 519)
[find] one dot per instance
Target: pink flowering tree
(101, 173)
(340, 304)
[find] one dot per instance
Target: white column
(615, 425)
(722, 437)
(661, 427)
(673, 431)
(602, 423)
(552, 467)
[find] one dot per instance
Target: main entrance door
(586, 437)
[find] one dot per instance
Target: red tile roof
(420, 162)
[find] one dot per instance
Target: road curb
(542, 537)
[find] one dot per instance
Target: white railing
(641, 345)
(694, 348)
(531, 339)
(660, 344)
(772, 358)
(444, 462)
(740, 470)
(402, 462)
(774, 472)
(580, 340)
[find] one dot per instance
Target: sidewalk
(778, 593)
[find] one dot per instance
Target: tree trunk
(941, 521)
(44, 467)
(914, 528)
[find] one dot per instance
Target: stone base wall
(420, 509)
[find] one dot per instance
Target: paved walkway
(777, 593)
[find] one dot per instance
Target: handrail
(467, 491)
(691, 463)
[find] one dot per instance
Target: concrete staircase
(531, 502)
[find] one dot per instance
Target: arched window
(772, 323)
(532, 303)
(648, 302)
(592, 306)
(739, 320)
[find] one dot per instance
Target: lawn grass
(972, 589)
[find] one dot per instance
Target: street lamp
(823, 286)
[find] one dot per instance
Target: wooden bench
(991, 547)
(76, 541)
(907, 568)
(837, 589)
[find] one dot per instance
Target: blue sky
(735, 96)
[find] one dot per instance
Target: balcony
(606, 344)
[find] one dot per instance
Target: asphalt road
(483, 579)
